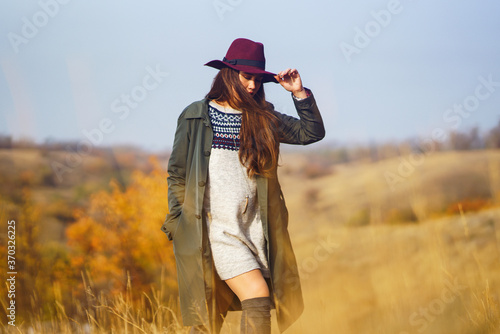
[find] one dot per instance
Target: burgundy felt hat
(247, 56)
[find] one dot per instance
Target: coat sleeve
(176, 179)
(307, 129)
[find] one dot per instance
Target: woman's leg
(253, 292)
(249, 285)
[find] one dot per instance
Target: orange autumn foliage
(118, 236)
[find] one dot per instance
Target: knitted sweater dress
(234, 224)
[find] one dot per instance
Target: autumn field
(423, 257)
(387, 245)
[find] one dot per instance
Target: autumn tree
(36, 265)
(493, 137)
(118, 237)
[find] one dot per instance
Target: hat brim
(267, 76)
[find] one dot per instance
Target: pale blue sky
(70, 73)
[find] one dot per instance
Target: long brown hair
(259, 145)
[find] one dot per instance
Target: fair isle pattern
(226, 128)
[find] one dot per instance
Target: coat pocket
(170, 225)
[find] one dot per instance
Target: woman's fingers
(289, 79)
(288, 72)
(282, 74)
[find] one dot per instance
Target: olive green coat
(203, 296)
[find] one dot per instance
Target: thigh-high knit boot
(256, 316)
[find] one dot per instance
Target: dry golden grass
(101, 314)
(396, 278)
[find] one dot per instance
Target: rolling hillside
(404, 260)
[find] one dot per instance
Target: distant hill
(391, 191)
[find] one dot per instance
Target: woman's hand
(290, 80)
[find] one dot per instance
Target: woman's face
(251, 82)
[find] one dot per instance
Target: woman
(228, 219)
